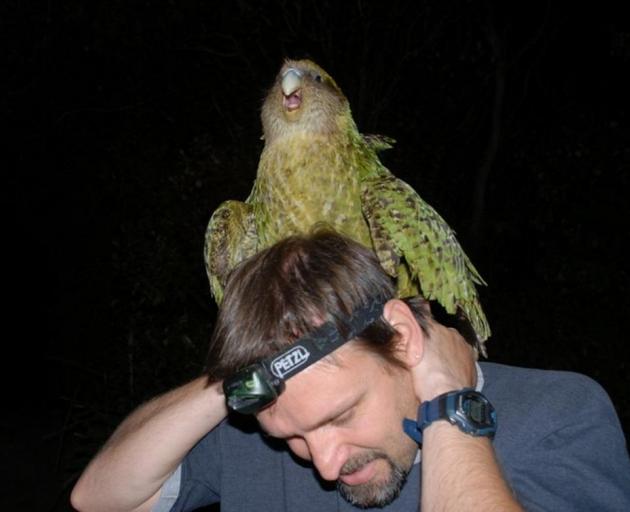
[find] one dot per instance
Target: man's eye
(344, 419)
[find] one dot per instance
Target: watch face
(477, 410)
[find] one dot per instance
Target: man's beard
(373, 494)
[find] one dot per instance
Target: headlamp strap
(312, 347)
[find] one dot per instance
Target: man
(311, 345)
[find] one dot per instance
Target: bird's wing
(230, 238)
(378, 142)
(404, 227)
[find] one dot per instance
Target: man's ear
(411, 338)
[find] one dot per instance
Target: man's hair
(287, 290)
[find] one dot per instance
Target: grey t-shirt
(559, 443)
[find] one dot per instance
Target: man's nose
(327, 454)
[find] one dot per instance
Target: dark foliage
(131, 121)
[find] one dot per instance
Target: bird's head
(304, 98)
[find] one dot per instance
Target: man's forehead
(324, 388)
(325, 373)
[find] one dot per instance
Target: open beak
(292, 89)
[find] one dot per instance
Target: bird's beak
(291, 89)
(291, 81)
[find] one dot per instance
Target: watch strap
(437, 409)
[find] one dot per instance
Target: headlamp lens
(251, 389)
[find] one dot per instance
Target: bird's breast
(299, 188)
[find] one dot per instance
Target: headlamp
(258, 385)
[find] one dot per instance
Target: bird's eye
(318, 78)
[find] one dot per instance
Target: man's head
(287, 290)
(345, 412)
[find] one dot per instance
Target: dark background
(128, 122)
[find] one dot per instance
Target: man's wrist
(214, 397)
(446, 430)
(469, 410)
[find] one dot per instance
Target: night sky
(129, 122)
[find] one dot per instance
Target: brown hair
(284, 291)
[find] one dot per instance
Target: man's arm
(128, 473)
(459, 471)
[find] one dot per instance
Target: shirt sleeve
(196, 481)
(169, 493)
(579, 463)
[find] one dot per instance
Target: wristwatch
(468, 409)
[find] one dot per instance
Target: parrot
(317, 168)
